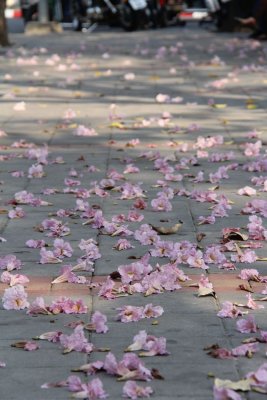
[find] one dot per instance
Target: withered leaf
(167, 230)
(242, 385)
(81, 158)
(19, 345)
(200, 236)
(234, 235)
(156, 374)
(247, 287)
(115, 275)
(204, 291)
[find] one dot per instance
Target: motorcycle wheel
(128, 19)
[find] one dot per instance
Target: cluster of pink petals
(15, 298)
(36, 171)
(14, 279)
(258, 378)
(256, 206)
(35, 244)
(134, 271)
(10, 262)
(133, 391)
(161, 203)
(256, 229)
(76, 341)
(55, 228)
(146, 235)
(229, 310)
(247, 325)
(17, 212)
(130, 367)
(123, 244)
(252, 149)
(98, 321)
(131, 191)
(81, 130)
(61, 305)
(248, 256)
(91, 390)
(133, 313)
(24, 197)
(151, 344)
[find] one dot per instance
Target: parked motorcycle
(129, 14)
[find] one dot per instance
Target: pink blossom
(250, 275)
(247, 191)
(245, 349)
(31, 346)
(10, 262)
(99, 322)
(35, 244)
(163, 98)
(258, 378)
(151, 344)
(206, 220)
(151, 311)
(247, 325)
(131, 169)
(13, 280)
(196, 260)
(38, 307)
(76, 341)
(213, 255)
(17, 174)
(248, 256)
(107, 288)
(48, 257)
(146, 235)
(2, 364)
(17, 212)
(69, 114)
(130, 314)
(92, 390)
(50, 336)
(15, 298)
(130, 191)
(36, 171)
(252, 303)
(140, 204)
(252, 149)
(256, 229)
(83, 131)
(222, 393)
(229, 310)
(123, 244)
(68, 306)
(55, 227)
(132, 391)
(130, 367)
(256, 206)
(62, 249)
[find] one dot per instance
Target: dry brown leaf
(204, 291)
(201, 236)
(247, 287)
(167, 231)
(156, 374)
(19, 345)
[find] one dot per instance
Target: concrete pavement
(216, 85)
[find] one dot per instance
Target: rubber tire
(128, 18)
